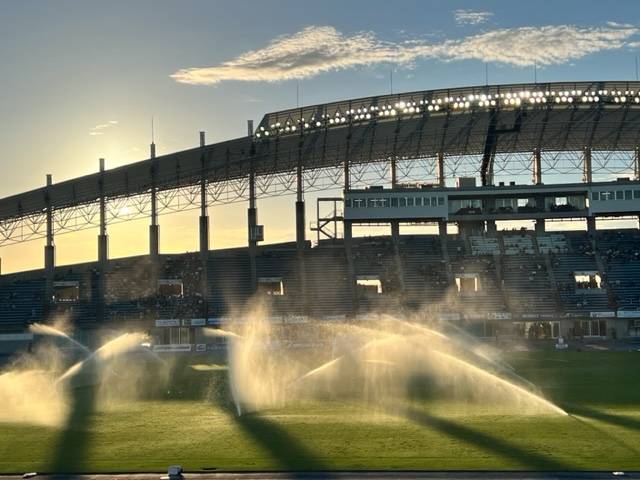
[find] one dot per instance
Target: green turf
(601, 390)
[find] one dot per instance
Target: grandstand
(395, 159)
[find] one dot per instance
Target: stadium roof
(482, 120)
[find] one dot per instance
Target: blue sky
(82, 79)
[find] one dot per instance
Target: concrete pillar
(537, 166)
(301, 236)
(348, 247)
(252, 222)
(395, 231)
(587, 172)
(395, 240)
(442, 228)
(49, 250)
(103, 251)
(300, 209)
(540, 226)
(591, 226)
(154, 229)
(394, 173)
(440, 169)
(351, 274)
(203, 229)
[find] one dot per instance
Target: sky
(81, 80)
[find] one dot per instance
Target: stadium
(402, 159)
(507, 213)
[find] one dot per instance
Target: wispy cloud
(320, 49)
(471, 17)
(101, 127)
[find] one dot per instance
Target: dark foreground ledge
(345, 475)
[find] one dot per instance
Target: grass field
(600, 390)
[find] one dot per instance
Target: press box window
(619, 194)
(410, 202)
(403, 202)
(64, 292)
(170, 288)
(627, 195)
(394, 202)
(595, 196)
(440, 201)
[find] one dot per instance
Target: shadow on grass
(74, 441)
(617, 420)
(285, 449)
(527, 459)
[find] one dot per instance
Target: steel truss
(605, 165)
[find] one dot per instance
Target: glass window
(371, 202)
(418, 201)
(627, 195)
(384, 202)
(410, 202)
(434, 201)
(426, 202)
(595, 195)
(347, 202)
(636, 194)
(619, 195)
(440, 201)
(403, 202)
(394, 201)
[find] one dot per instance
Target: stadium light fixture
(477, 99)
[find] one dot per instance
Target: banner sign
(174, 347)
(334, 318)
(15, 337)
(168, 322)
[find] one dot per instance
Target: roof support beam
(440, 169)
(537, 166)
(587, 171)
(486, 169)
